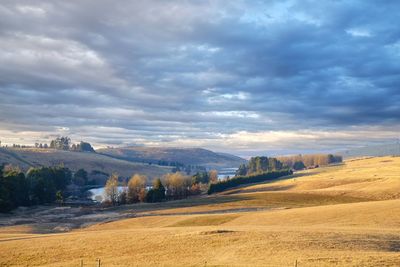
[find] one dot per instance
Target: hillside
(345, 215)
(372, 151)
(186, 156)
(27, 157)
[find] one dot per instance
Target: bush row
(240, 180)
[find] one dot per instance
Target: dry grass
(205, 220)
(326, 217)
(371, 178)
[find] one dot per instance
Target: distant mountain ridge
(186, 156)
(372, 151)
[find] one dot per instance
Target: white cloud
(231, 114)
(358, 32)
(219, 98)
(31, 10)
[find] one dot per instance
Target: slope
(373, 151)
(186, 156)
(346, 215)
(91, 162)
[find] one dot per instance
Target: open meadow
(342, 215)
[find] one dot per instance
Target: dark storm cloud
(195, 72)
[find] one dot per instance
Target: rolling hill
(98, 164)
(343, 215)
(186, 156)
(372, 151)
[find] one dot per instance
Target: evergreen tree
(80, 177)
(242, 170)
(157, 193)
(299, 165)
(85, 147)
(200, 177)
(42, 185)
(239, 180)
(44, 182)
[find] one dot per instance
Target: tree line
(299, 162)
(37, 186)
(241, 180)
(171, 186)
(177, 185)
(257, 169)
(64, 143)
(44, 185)
(61, 143)
(41, 185)
(258, 165)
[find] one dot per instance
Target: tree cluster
(38, 186)
(82, 147)
(19, 146)
(14, 189)
(259, 165)
(299, 162)
(80, 177)
(40, 145)
(201, 177)
(156, 193)
(240, 180)
(61, 143)
(177, 185)
(188, 169)
(170, 187)
(64, 143)
(135, 191)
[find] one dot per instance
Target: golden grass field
(345, 215)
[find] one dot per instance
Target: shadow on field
(183, 203)
(394, 246)
(241, 188)
(263, 189)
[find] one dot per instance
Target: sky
(243, 77)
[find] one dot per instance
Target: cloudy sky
(247, 77)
